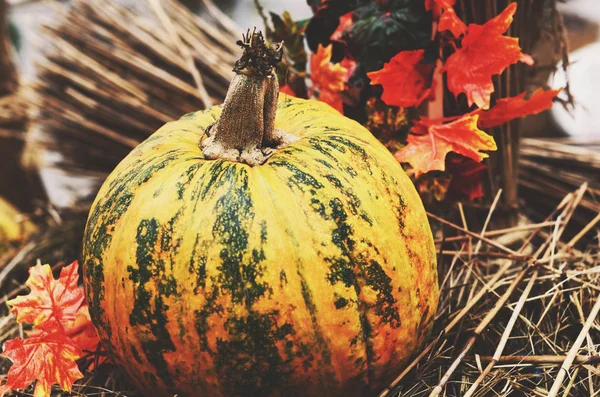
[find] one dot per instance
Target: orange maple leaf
(48, 358)
(450, 21)
(432, 140)
(485, 52)
(406, 80)
(49, 298)
(328, 78)
(507, 109)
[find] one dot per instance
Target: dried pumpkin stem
(246, 131)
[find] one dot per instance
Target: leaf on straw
(287, 90)
(466, 179)
(48, 358)
(49, 298)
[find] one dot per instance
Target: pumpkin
(292, 259)
(14, 226)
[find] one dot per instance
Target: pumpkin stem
(246, 131)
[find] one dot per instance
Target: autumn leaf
(485, 52)
(345, 24)
(48, 358)
(49, 298)
(507, 109)
(450, 21)
(466, 179)
(406, 80)
(432, 140)
(328, 78)
(80, 330)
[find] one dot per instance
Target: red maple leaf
(507, 109)
(49, 298)
(48, 358)
(327, 78)
(485, 52)
(450, 21)
(431, 141)
(406, 80)
(466, 178)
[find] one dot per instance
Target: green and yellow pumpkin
(297, 264)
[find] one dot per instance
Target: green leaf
(380, 32)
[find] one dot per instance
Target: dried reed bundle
(19, 186)
(112, 74)
(550, 168)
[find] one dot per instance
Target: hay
(519, 305)
(516, 313)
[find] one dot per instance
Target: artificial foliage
(62, 333)
(362, 56)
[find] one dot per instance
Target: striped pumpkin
(313, 274)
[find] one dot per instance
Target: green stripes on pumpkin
(298, 178)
